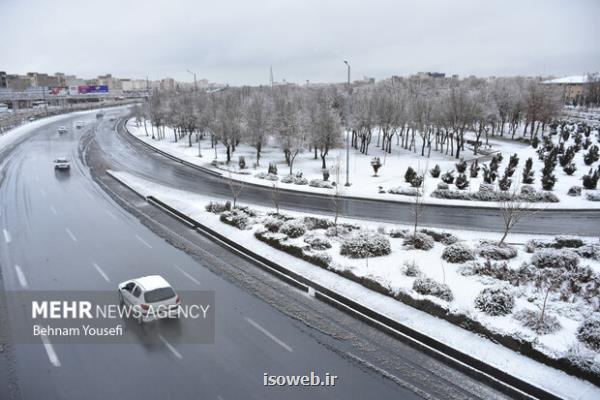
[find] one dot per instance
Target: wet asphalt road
(62, 232)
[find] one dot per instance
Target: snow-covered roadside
(364, 185)
(499, 356)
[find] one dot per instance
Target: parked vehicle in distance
(62, 163)
(99, 115)
(152, 297)
(62, 129)
(31, 119)
(79, 124)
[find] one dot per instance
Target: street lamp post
(195, 82)
(349, 128)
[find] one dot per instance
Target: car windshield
(156, 295)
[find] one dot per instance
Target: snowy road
(130, 155)
(62, 232)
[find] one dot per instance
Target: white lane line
(6, 235)
(269, 334)
(143, 241)
(101, 272)
(43, 192)
(53, 210)
(111, 215)
(71, 234)
(88, 194)
(21, 277)
(50, 351)
(170, 347)
(191, 278)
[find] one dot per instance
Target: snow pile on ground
(504, 296)
(390, 182)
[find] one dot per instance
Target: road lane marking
(43, 192)
(269, 334)
(101, 272)
(71, 234)
(112, 215)
(170, 347)
(6, 235)
(143, 241)
(88, 194)
(190, 277)
(53, 210)
(21, 277)
(50, 351)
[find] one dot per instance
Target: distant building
(2, 80)
(573, 87)
(167, 84)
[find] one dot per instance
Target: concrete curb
(493, 376)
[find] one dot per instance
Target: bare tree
(236, 187)
(275, 197)
(513, 209)
(337, 196)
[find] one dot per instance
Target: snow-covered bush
(398, 233)
(533, 244)
(589, 332)
(293, 228)
(300, 180)
(536, 197)
(555, 258)
(442, 237)
(319, 183)
(287, 179)
(593, 196)
(458, 253)
(591, 251)
(428, 286)
(419, 241)
(532, 319)
(567, 241)
(574, 191)
(501, 271)
(442, 186)
(486, 187)
(317, 242)
(583, 358)
(313, 223)
(366, 244)
(497, 300)
(339, 230)
(411, 268)
(237, 218)
(403, 191)
(273, 224)
(494, 251)
(217, 208)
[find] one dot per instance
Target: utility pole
(271, 77)
(349, 127)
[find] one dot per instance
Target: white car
(151, 297)
(79, 124)
(62, 129)
(62, 163)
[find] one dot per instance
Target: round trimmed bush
(553, 258)
(428, 286)
(496, 252)
(495, 300)
(273, 224)
(366, 244)
(419, 241)
(293, 228)
(411, 268)
(589, 332)
(317, 242)
(458, 253)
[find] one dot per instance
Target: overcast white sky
(235, 41)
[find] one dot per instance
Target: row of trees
(416, 114)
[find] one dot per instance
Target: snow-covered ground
(391, 174)
(390, 272)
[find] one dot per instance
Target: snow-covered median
(390, 182)
(450, 274)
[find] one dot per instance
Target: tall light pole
(195, 82)
(349, 127)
